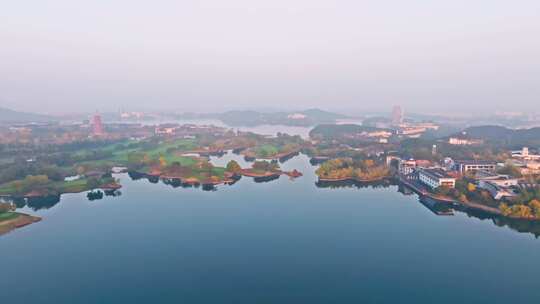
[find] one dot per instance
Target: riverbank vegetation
(41, 185)
(349, 169)
(526, 205)
(184, 158)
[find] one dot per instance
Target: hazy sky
(428, 56)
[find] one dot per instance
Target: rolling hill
(11, 116)
(502, 136)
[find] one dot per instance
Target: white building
(525, 155)
(464, 141)
(435, 178)
(498, 179)
(496, 190)
(296, 116)
(475, 165)
(530, 168)
(406, 167)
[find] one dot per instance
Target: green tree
(535, 206)
(521, 211)
(510, 170)
(233, 166)
(92, 183)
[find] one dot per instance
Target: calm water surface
(278, 242)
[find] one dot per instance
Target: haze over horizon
(61, 56)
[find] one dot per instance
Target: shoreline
(21, 220)
(352, 179)
(466, 205)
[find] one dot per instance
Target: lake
(285, 241)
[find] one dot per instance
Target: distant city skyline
(60, 56)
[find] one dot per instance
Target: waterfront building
(406, 167)
(435, 177)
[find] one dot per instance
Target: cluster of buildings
(432, 175)
(526, 162)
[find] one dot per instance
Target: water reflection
(94, 195)
(438, 209)
(34, 203)
(518, 225)
(266, 179)
(177, 183)
(113, 193)
(354, 184)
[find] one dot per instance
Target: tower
(97, 125)
(397, 116)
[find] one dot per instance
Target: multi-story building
(525, 154)
(397, 116)
(97, 125)
(406, 167)
(464, 141)
(434, 178)
(464, 166)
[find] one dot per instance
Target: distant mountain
(306, 118)
(502, 136)
(319, 114)
(11, 116)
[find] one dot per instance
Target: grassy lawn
(74, 186)
(7, 188)
(120, 157)
(6, 216)
(169, 150)
(267, 150)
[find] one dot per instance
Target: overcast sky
(428, 56)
